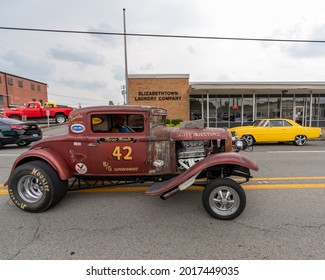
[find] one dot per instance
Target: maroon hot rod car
(117, 145)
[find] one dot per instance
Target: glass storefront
(225, 110)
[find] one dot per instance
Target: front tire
(15, 117)
(35, 186)
(249, 139)
(300, 140)
(224, 199)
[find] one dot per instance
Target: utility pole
(125, 61)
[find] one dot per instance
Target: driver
(121, 125)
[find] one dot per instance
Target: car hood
(237, 128)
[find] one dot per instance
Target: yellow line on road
(289, 178)
(197, 188)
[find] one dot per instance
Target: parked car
(276, 130)
(34, 110)
(18, 132)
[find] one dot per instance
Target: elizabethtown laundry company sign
(157, 96)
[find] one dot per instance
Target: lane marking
(196, 188)
(276, 152)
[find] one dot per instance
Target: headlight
(239, 145)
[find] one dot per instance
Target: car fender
(47, 155)
(187, 178)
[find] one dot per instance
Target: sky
(90, 69)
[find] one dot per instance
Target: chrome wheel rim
(60, 119)
(30, 189)
(300, 140)
(249, 139)
(224, 201)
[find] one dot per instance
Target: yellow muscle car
(276, 130)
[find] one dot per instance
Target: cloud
(27, 66)
(118, 72)
(107, 40)
(82, 84)
(309, 50)
(81, 57)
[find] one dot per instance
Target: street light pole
(125, 61)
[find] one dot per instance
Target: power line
(162, 35)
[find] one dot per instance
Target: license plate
(35, 135)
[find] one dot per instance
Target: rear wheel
(300, 140)
(224, 199)
(23, 143)
(35, 186)
(60, 118)
(249, 139)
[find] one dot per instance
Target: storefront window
(235, 109)
(322, 107)
(274, 106)
(262, 107)
(213, 110)
(196, 107)
(247, 108)
(223, 110)
(287, 106)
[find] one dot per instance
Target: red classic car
(118, 145)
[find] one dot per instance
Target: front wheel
(16, 117)
(224, 199)
(249, 139)
(35, 186)
(300, 140)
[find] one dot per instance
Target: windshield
(259, 123)
(156, 120)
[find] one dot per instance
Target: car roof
(114, 109)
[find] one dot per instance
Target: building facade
(229, 104)
(167, 91)
(16, 90)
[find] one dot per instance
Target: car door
(116, 153)
(277, 132)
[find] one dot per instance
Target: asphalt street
(284, 217)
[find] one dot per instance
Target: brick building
(16, 90)
(170, 91)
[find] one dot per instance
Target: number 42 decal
(124, 152)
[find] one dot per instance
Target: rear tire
(60, 118)
(23, 143)
(224, 199)
(35, 186)
(300, 140)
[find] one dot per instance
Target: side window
(117, 123)
(285, 123)
(276, 123)
(101, 123)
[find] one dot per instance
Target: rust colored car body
(169, 159)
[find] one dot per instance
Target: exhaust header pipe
(170, 193)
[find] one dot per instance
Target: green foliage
(176, 122)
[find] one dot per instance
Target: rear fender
(47, 155)
(187, 178)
